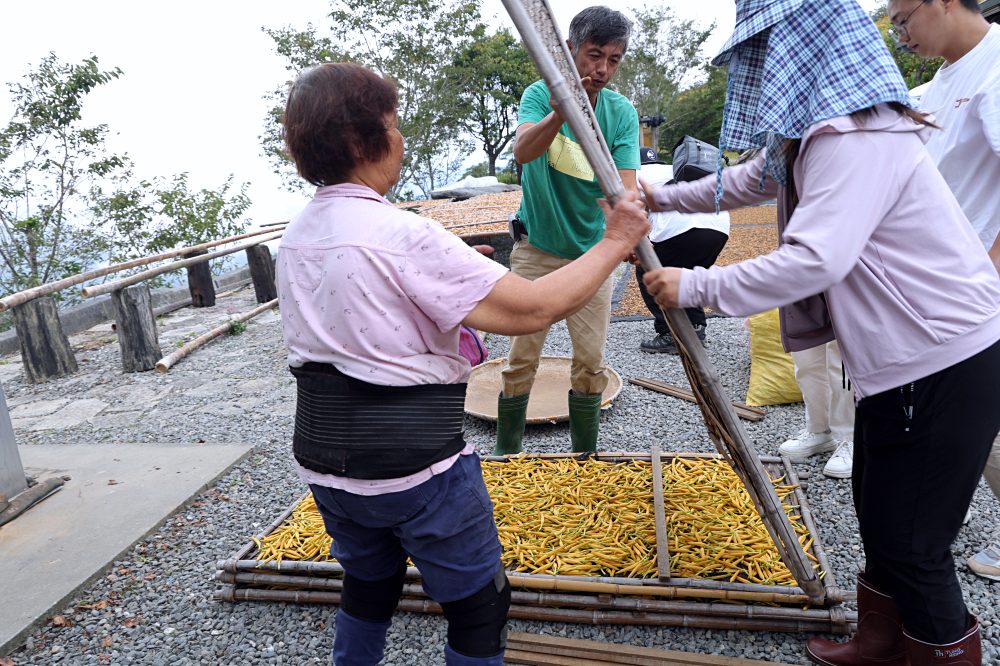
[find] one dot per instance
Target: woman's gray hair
(600, 26)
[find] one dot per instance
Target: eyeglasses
(900, 28)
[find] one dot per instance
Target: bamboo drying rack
(663, 601)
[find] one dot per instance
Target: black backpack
(694, 159)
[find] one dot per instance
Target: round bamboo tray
(548, 402)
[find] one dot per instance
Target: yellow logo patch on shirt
(567, 156)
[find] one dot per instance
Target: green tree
(411, 42)
(67, 204)
(915, 68)
(505, 168)
(697, 112)
(488, 75)
(163, 214)
(190, 218)
(661, 52)
(50, 164)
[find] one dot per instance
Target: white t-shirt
(965, 100)
(668, 225)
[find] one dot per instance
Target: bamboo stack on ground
(540, 650)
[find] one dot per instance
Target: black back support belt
(348, 427)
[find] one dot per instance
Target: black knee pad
(373, 601)
(477, 625)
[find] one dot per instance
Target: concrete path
(116, 495)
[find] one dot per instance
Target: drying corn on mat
(580, 545)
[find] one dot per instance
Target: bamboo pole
(474, 224)
(228, 570)
(807, 519)
(743, 411)
(660, 518)
(20, 297)
(628, 456)
(97, 290)
(537, 26)
(169, 360)
(545, 614)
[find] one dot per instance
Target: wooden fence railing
(45, 349)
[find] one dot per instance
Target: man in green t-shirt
(562, 219)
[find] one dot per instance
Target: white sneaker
(968, 516)
(841, 463)
(807, 444)
(986, 563)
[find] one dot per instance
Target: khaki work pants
(588, 331)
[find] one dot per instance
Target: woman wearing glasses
(876, 253)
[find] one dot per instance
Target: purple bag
(471, 346)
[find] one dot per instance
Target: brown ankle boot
(966, 651)
(878, 640)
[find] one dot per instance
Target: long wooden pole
(20, 297)
(107, 287)
(660, 517)
(536, 24)
(169, 360)
(743, 411)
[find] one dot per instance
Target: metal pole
(12, 479)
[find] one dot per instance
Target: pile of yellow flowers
(568, 517)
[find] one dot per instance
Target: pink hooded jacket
(877, 234)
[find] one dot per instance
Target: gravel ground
(154, 606)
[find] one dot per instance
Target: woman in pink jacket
(877, 254)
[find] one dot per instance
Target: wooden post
(200, 284)
(45, 349)
(12, 479)
(660, 518)
(136, 328)
(261, 266)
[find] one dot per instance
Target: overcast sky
(195, 73)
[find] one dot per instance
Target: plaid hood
(794, 63)
(754, 17)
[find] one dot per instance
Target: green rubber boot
(511, 413)
(584, 421)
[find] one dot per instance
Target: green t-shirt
(559, 188)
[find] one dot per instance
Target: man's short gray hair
(600, 26)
